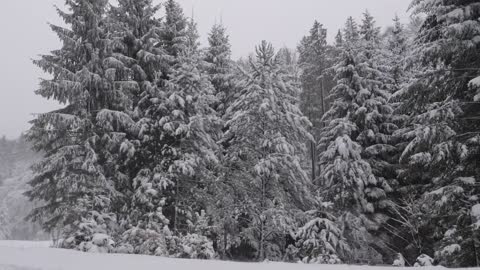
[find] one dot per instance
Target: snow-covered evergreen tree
(174, 126)
(374, 116)
(266, 130)
(218, 55)
(188, 124)
(440, 161)
(397, 45)
(356, 120)
(314, 62)
(136, 35)
(357, 133)
(192, 35)
(174, 35)
(321, 239)
(221, 71)
(350, 31)
(76, 178)
(398, 41)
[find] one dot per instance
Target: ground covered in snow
(20, 255)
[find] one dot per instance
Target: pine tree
(440, 161)
(76, 179)
(266, 130)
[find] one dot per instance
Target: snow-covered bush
(475, 214)
(100, 243)
(423, 260)
(399, 260)
(201, 224)
(195, 246)
(141, 240)
(292, 254)
(455, 245)
(90, 235)
(321, 241)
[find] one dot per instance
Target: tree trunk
(474, 240)
(322, 99)
(261, 255)
(313, 153)
(225, 238)
(175, 205)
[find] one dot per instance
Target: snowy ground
(25, 244)
(18, 255)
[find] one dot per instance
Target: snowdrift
(20, 255)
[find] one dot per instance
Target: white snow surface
(476, 211)
(18, 255)
(475, 82)
(25, 244)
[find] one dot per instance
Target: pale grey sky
(25, 34)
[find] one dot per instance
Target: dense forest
(363, 151)
(16, 157)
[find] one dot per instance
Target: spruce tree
(321, 240)
(220, 68)
(397, 46)
(313, 61)
(136, 34)
(357, 134)
(440, 161)
(76, 179)
(173, 37)
(266, 130)
(188, 124)
(350, 31)
(192, 35)
(218, 55)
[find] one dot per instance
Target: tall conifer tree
(314, 62)
(76, 179)
(356, 135)
(266, 131)
(441, 158)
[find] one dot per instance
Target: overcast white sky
(24, 34)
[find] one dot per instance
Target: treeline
(13, 152)
(361, 151)
(16, 156)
